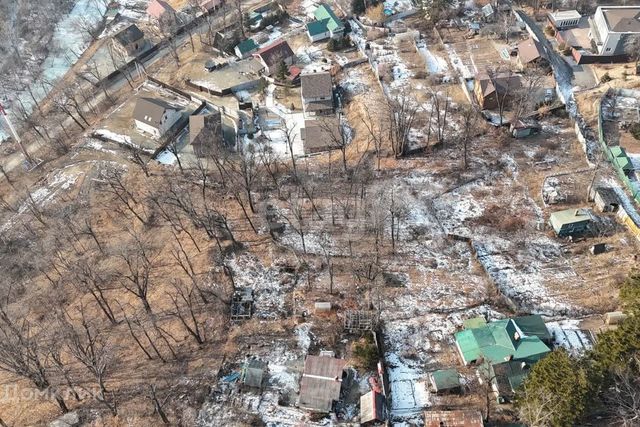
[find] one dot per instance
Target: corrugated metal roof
(321, 382)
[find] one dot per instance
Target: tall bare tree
(23, 354)
(90, 345)
(401, 112)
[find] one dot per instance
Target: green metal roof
(247, 46)
(502, 340)
(446, 379)
(474, 322)
(624, 163)
(618, 151)
(325, 12)
(533, 325)
(569, 216)
(317, 27)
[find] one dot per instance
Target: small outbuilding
(253, 373)
(530, 52)
(605, 198)
(459, 418)
(523, 128)
(372, 408)
(158, 9)
(445, 381)
(614, 317)
(130, 40)
(570, 222)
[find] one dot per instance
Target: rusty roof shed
(461, 418)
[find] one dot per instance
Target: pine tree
(630, 293)
(283, 71)
(559, 386)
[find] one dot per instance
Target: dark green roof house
(246, 48)
(505, 348)
(504, 340)
(570, 221)
(326, 24)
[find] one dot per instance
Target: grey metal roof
(129, 35)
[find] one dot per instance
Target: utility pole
(14, 133)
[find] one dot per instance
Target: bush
(338, 44)
(605, 78)
(630, 288)
(358, 7)
(634, 129)
(565, 49)
(550, 31)
(365, 353)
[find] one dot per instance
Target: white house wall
(148, 129)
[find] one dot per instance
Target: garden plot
(435, 63)
(520, 261)
(470, 57)
(119, 126)
(270, 286)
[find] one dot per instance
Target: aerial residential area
(319, 213)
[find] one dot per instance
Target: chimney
(577, 212)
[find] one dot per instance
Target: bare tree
(136, 274)
(339, 134)
(22, 354)
(440, 109)
(185, 306)
(623, 399)
(84, 25)
(469, 120)
(505, 83)
(536, 408)
(90, 278)
(158, 405)
(168, 26)
(119, 62)
(116, 186)
(375, 128)
(237, 5)
(295, 216)
(91, 347)
(401, 111)
(524, 98)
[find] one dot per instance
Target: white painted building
(154, 116)
(564, 19)
(611, 26)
